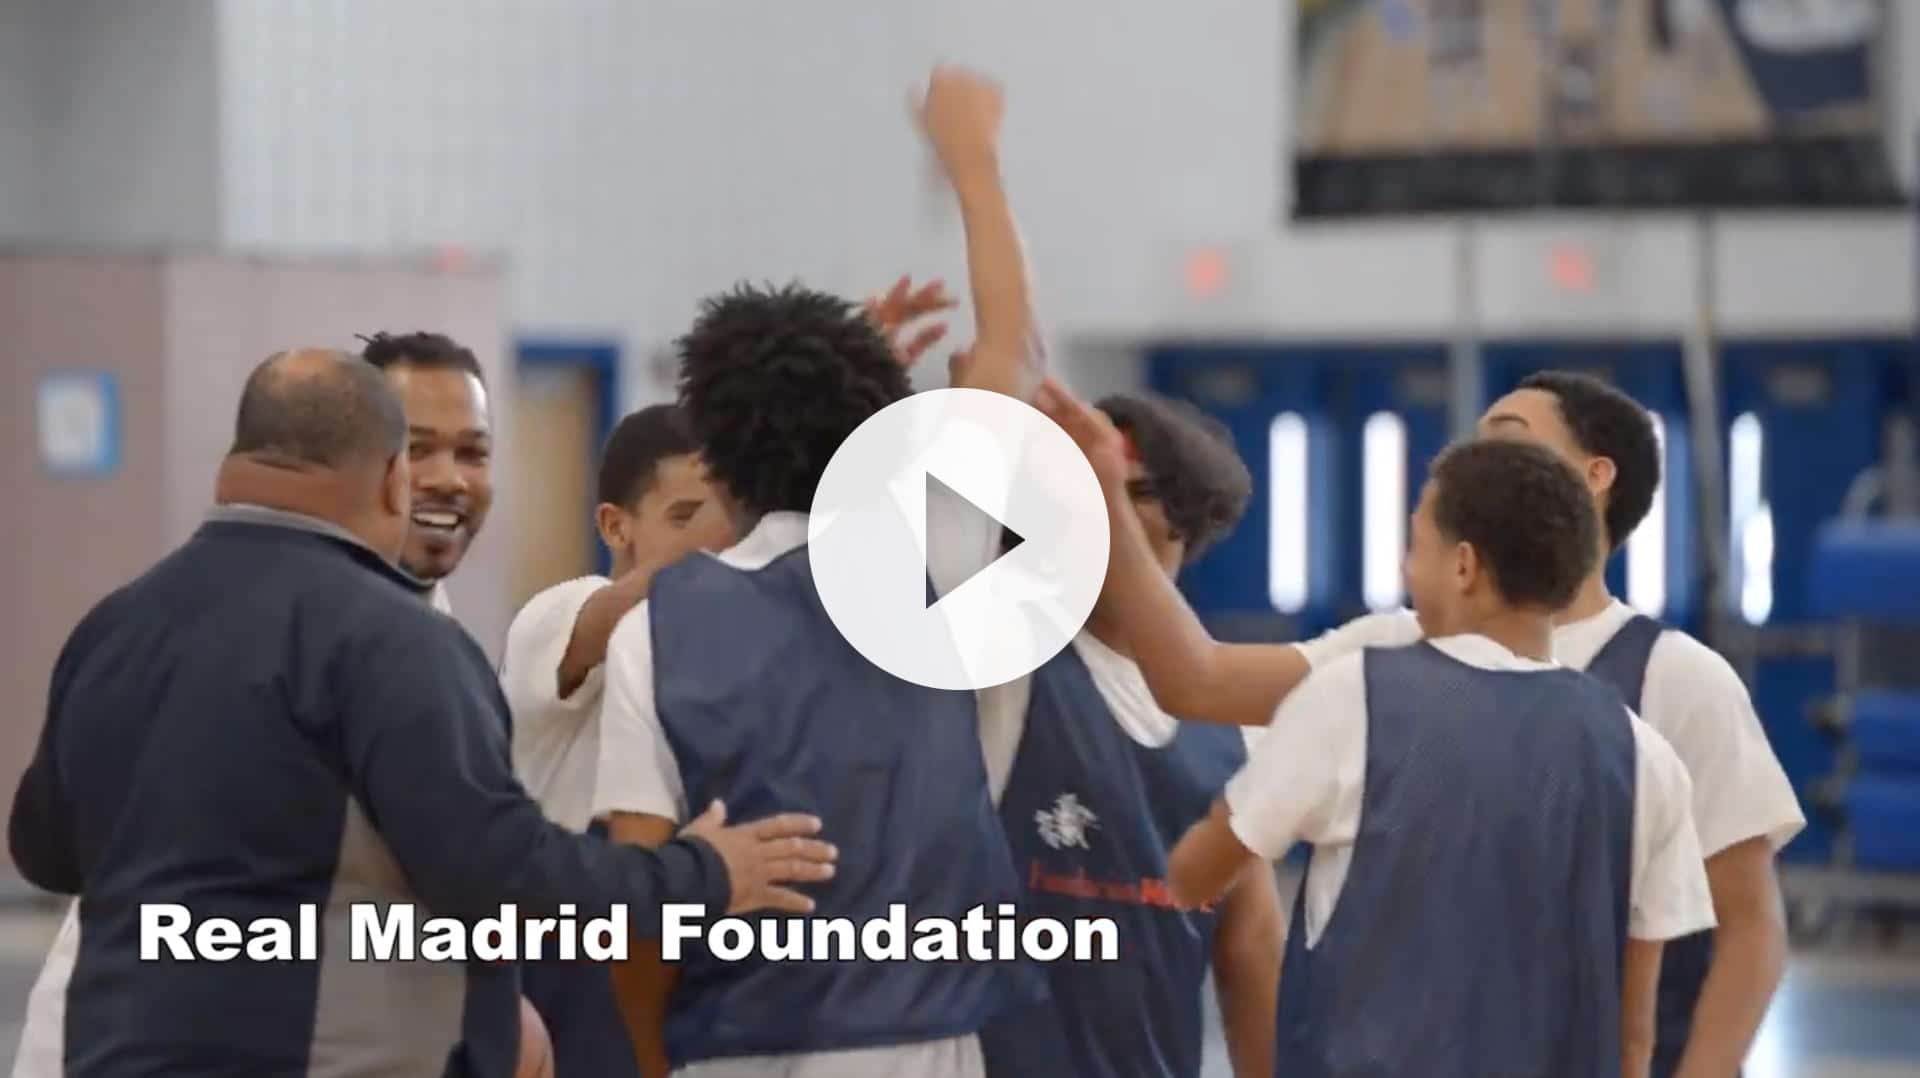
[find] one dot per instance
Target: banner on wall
(1407, 106)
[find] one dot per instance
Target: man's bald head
(319, 408)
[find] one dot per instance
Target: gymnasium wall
(19, 171)
(108, 131)
(178, 337)
(1133, 143)
(70, 542)
(711, 142)
(721, 141)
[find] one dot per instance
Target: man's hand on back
(762, 855)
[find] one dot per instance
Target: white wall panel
(19, 120)
(1802, 274)
(628, 158)
(108, 131)
(129, 146)
(1587, 274)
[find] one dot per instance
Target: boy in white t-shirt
(655, 507)
(1491, 832)
(1494, 831)
(1715, 989)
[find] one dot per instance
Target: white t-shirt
(42, 1051)
(1306, 783)
(637, 771)
(1003, 709)
(1691, 695)
(556, 740)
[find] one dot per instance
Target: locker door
(1267, 579)
(1390, 414)
(553, 425)
(1804, 422)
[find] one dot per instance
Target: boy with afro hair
(730, 682)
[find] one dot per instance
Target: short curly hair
(773, 380)
(1196, 474)
(1526, 513)
(1607, 423)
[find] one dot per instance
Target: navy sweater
(271, 718)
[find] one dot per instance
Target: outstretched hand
(902, 305)
(762, 855)
(1090, 429)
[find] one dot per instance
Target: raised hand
(960, 115)
(903, 305)
(1090, 429)
(762, 855)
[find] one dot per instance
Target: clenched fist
(961, 117)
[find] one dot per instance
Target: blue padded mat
(1867, 570)
(1884, 729)
(1883, 816)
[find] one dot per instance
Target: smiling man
(449, 445)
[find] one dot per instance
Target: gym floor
(1850, 1009)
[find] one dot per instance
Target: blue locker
(1249, 388)
(1905, 389)
(1411, 384)
(1819, 408)
(1652, 374)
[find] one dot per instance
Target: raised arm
(1191, 674)
(961, 118)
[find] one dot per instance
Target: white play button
(949, 545)
(958, 539)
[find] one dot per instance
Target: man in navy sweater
(449, 458)
(271, 720)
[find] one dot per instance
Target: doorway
(565, 402)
